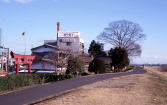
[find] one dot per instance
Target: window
(68, 43)
(61, 40)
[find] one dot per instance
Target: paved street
(40, 92)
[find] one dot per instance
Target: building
(4, 58)
(53, 54)
(70, 40)
(44, 57)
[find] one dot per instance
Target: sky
(38, 19)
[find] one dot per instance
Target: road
(30, 95)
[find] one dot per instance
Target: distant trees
(96, 49)
(124, 34)
(75, 66)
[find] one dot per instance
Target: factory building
(70, 40)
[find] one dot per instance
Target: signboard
(68, 34)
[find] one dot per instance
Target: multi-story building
(69, 40)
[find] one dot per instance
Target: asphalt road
(30, 95)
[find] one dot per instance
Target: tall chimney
(58, 26)
(58, 29)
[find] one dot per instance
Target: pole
(24, 39)
(0, 50)
(3, 53)
(58, 52)
(2, 58)
(25, 45)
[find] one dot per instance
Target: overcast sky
(38, 18)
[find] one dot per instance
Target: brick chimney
(58, 26)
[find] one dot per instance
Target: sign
(68, 34)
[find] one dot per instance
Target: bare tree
(124, 34)
(134, 49)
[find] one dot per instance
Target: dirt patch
(158, 90)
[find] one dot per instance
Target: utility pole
(0, 51)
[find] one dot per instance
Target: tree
(97, 66)
(134, 49)
(75, 66)
(124, 34)
(119, 58)
(96, 49)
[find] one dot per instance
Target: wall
(74, 46)
(44, 66)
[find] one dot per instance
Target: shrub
(75, 66)
(97, 66)
(119, 59)
(16, 81)
(84, 74)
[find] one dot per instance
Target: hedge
(16, 81)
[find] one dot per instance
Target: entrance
(22, 59)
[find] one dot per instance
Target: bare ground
(139, 89)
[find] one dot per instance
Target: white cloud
(22, 1)
(7, 1)
(151, 60)
(19, 1)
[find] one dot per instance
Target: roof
(45, 45)
(51, 42)
(21, 56)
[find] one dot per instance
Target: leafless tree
(124, 34)
(134, 49)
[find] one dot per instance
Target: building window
(68, 43)
(61, 40)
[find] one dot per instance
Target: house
(45, 59)
(49, 57)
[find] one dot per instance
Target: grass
(160, 86)
(160, 79)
